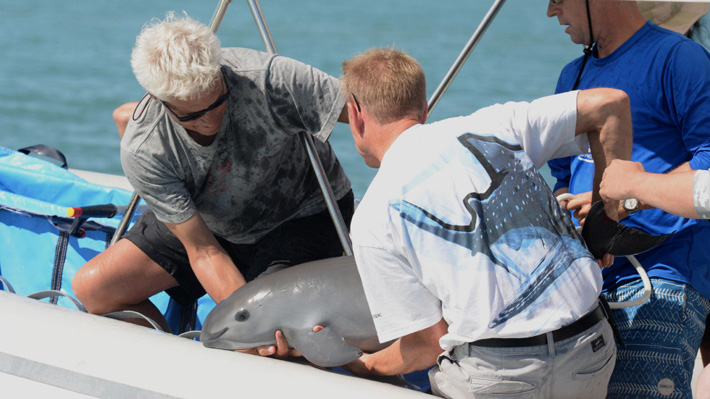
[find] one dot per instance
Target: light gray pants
(578, 367)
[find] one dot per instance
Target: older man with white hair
(215, 151)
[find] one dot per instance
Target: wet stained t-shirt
(256, 174)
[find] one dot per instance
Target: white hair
(176, 59)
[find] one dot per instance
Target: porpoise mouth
(210, 339)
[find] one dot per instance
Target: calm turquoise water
(65, 64)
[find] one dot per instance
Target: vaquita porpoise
(327, 292)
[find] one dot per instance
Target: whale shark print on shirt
(516, 222)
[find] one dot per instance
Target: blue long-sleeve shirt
(667, 78)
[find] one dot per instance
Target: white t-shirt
(459, 224)
(701, 193)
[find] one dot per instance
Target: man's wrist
(644, 206)
(631, 205)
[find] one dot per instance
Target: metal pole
(328, 195)
(219, 15)
(126, 219)
(261, 25)
(330, 201)
(130, 210)
(472, 42)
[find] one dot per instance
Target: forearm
(216, 272)
(410, 353)
(685, 167)
(400, 358)
(671, 192)
(605, 115)
(610, 136)
(209, 261)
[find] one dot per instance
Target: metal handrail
(219, 15)
(461, 59)
(261, 25)
(328, 195)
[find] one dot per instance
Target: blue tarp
(34, 197)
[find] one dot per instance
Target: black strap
(589, 22)
(581, 68)
(60, 256)
(188, 317)
(612, 321)
(587, 48)
(64, 225)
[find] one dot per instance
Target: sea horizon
(67, 64)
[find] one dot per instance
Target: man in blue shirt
(667, 78)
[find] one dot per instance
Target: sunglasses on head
(199, 114)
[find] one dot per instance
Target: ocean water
(65, 65)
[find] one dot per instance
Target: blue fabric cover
(34, 197)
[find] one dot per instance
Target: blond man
(461, 245)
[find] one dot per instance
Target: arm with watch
(683, 192)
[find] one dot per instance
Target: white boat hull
(51, 351)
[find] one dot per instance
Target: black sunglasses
(199, 114)
(356, 102)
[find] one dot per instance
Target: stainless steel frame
(328, 195)
(463, 56)
(330, 200)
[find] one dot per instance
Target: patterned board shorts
(662, 337)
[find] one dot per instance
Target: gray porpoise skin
(327, 292)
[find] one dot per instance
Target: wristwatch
(631, 205)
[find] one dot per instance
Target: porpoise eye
(242, 315)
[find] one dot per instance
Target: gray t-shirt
(256, 174)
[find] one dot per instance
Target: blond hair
(387, 82)
(176, 59)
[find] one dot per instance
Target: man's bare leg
(122, 278)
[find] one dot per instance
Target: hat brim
(678, 16)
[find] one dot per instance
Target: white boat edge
(48, 348)
(51, 351)
(104, 179)
(121, 182)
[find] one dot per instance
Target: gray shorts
(577, 367)
(294, 242)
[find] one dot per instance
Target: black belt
(581, 325)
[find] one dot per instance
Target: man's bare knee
(122, 114)
(120, 278)
(87, 289)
